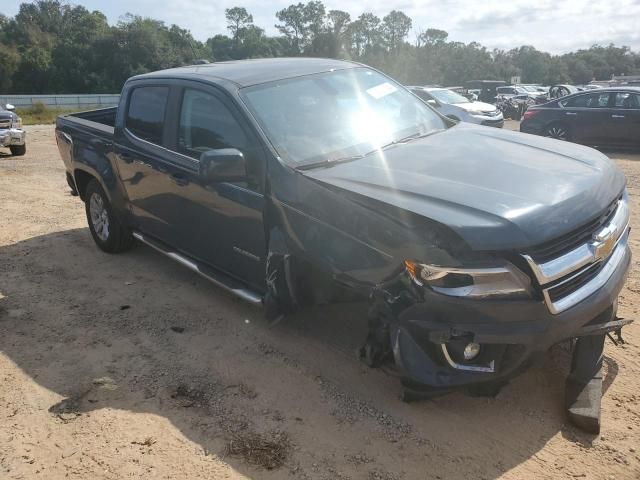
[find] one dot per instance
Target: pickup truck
(11, 133)
(294, 182)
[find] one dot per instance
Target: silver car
(457, 107)
(11, 133)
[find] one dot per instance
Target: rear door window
(627, 100)
(145, 115)
(592, 100)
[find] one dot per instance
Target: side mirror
(223, 165)
(9, 107)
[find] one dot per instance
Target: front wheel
(107, 231)
(559, 131)
(18, 150)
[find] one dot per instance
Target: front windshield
(448, 96)
(334, 115)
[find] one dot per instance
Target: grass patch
(39, 114)
(269, 452)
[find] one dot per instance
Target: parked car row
(593, 116)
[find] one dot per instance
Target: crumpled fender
(281, 291)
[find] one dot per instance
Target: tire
(558, 131)
(18, 150)
(107, 231)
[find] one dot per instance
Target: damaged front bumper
(12, 137)
(428, 338)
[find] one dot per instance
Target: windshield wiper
(407, 139)
(329, 163)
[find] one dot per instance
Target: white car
(457, 107)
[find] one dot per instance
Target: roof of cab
(252, 72)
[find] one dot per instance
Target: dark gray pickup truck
(292, 182)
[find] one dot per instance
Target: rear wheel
(18, 150)
(559, 131)
(107, 231)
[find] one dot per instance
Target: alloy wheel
(99, 217)
(558, 132)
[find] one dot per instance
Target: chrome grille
(555, 248)
(566, 287)
(5, 123)
(582, 262)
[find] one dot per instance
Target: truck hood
(499, 190)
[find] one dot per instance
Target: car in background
(459, 108)
(531, 90)
(559, 91)
(486, 89)
(511, 90)
(468, 94)
(604, 117)
(11, 133)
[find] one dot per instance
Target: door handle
(617, 116)
(179, 179)
(571, 114)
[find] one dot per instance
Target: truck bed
(82, 135)
(99, 119)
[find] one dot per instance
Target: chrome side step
(218, 278)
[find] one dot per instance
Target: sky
(555, 26)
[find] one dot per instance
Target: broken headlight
(501, 281)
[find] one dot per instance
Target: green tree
(9, 59)
(366, 34)
(395, 28)
(301, 23)
(51, 46)
(238, 19)
(432, 36)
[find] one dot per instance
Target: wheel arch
(82, 178)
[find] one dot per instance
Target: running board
(218, 278)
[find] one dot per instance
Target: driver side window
(207, 124)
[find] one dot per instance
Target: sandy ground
(130, 366)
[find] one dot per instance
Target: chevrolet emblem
(604, 242)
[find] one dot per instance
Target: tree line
(54, 47)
